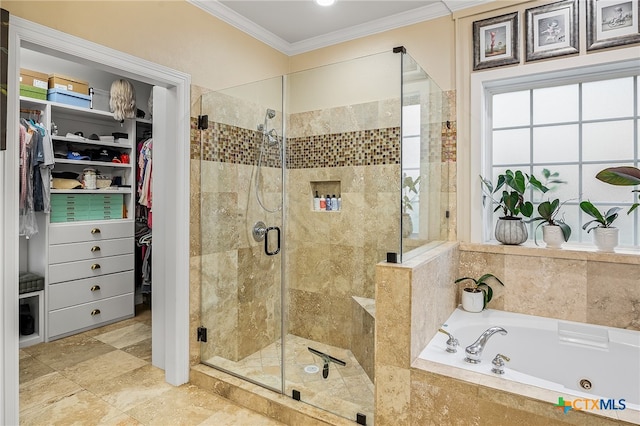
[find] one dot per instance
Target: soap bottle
(328, 202)
(339, 202)
(316, 202)
(323, 204)
(334, 203)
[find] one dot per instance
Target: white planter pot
(511, 231)
(552, 235)
(605, 239)
(472, 301)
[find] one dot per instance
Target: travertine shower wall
(332, 255)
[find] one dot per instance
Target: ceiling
(298, 26)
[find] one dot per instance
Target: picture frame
(495, 42)
(612, 23)
(552, 30)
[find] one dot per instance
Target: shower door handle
(266, 241)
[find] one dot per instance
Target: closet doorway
(171, 204)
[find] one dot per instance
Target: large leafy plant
(513, 187)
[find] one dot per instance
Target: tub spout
(474, 351)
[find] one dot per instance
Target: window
(574, 128)
(411, 124)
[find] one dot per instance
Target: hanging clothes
(145, 176)
(36, 163)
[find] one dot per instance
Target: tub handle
(498, 363)
(452, 342)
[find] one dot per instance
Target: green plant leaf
(526, 209)
(537, 184)
(592, 211)
(475, 282)
(624, 175)
(566, 230)
(518, 183)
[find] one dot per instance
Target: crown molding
(398, 20)
(245, 25)
(392, 22)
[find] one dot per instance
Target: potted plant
(478, 293)
(510, 228)
(409, 194)
(605, 236)
(554, 231)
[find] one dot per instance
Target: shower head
(272, 135)
(270, 113)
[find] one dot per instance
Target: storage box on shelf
(34, 79)
(69, 97)
(72, 84)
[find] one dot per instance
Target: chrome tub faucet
(474, 351)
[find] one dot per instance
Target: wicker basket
(30, 282)
(103, 182)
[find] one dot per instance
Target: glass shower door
(241, 231)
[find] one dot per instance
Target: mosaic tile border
(230, 144)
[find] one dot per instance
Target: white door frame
(170, 298)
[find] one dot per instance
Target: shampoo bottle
(328, 202)
(323, 204)
(334, 202)
(316, 202)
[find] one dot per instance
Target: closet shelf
(92, 163)
(91, 142)
(92, 191)
(62, 108)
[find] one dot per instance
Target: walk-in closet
(85, 206)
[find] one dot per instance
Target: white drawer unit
(64, 233)
(89, 268)
(61, 253)
(70, 293)
(90, 275)
(66, 321)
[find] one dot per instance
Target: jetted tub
(570, 358)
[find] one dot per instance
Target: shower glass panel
(343, 141)
(241, 195)
(425, 160)
(296, 313)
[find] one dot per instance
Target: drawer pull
(95, 231)
(95, 288)
(95, 312)
(95, 248)
(95, 266)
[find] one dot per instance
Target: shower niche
(270, 146)
(326, 189)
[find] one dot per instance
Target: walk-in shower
(301, 320)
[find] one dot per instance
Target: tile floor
(105, 377)
(346, 391)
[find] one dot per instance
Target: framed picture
(612, 23)
(495, 42)
(552, 30)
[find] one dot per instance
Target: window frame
(611, 64)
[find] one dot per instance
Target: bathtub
(551, 354)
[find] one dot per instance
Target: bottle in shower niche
(328, 202)
(339, 202)
(316, 202)
(323, 204)
(334, 203)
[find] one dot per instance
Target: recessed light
(325, 2)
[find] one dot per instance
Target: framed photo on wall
(612, 23)
(495, 41)
(552, 30)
